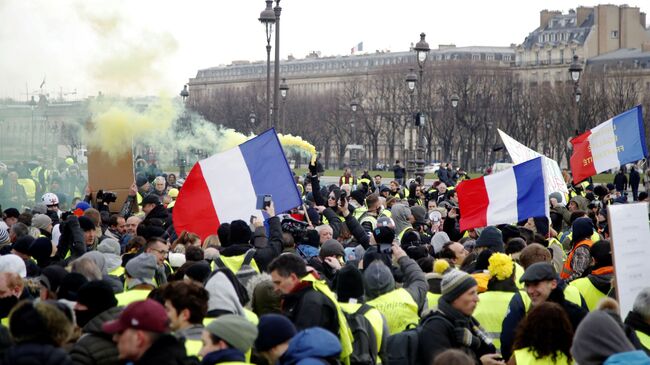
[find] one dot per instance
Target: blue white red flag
(224, 187)
(508, 196)
(609, 145)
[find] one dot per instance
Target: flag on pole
(609, 145)
(507, 196)
(224, 187)
(520, 153)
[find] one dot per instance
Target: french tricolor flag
(224, 187)
(507, 196)
(609, 145)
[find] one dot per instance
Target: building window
(561, 56)
(537, 57)
(476, 57)
(548, 57)
(489, 57)
(507, 58)
(614, 34)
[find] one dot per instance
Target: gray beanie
(454, 284)
(439, 240)
(379, 279)
(41, 221)
(235, 330)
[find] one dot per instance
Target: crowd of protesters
(362, 273)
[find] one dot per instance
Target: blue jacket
(310, 345)
(628, 358)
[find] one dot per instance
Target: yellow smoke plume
(299, 143)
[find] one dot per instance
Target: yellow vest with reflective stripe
(128, 297)
(591, 294)
(643, 338)
(5, 322)
(359, 212)
(193, 347)
(386, 213)
(526, 357)
(234, 263)
(345, 335)
(432, 300)
(571, 294)
(401, 234)
(490, 311)
(372, 315)
(399, 309)
(119, 271)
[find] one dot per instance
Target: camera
(106, 197)
(295, 228)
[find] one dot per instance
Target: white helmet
(50, 199)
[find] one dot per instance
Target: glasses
(331, 197)
(162, 252)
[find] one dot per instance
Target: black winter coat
(307, 308)
(167, 350)
(29, 353)
(95, 346)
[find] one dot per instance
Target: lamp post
(411, 83)
(267, 17)
(575, 70)
(181, 156)
(454, 104)
(354, 105)
(422, 51)
(32, 104)
(284, 89)
(276, 81)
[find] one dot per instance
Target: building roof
(627, 57)
(560, 29)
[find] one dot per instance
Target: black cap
(151, 199)
(539, 271)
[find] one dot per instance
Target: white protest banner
(630, 237)
(520, 153)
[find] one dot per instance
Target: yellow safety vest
(432, 300)
(373, 315)
(207, 320)
(591, 294)
(369, 218)
(571, 293)
(643, 338)
(234, 263)
(399, 308)
(251, 316)
(30, 188)
(119, 271)
(128, 297)
(359, 212)
(345, 335)
(526, 357)
(5, 322)
(519, 272)
(490, 311)
(386, 213)
(193, 347)
(554, 241)
(399, 236)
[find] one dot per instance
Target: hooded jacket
(167, 350)
(635, 322)
(401, 214)
(311, 347)
(29, 353)
(299, 306)
(95, 347)
(599, 336)
(223, 297)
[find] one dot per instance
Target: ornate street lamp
(267, 17)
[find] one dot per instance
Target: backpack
(403, 348)
(246, 272)
(365, 341)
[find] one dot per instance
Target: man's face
(89, 237)
(325, 234)
(442, 188)
(460, 251)
(132, 225)
(160, 250)
(282, 284)
(466, 303)
(121, 225)
(175, 319)
(160, 186)
(208, 345)
(431, 205)
(539, 291)
(377, 180)
(129, 344)
(11, 221)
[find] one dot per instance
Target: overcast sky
(138, 47)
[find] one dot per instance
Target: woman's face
(171, 179)
(466, 303)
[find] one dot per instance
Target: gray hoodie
(222, 295)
